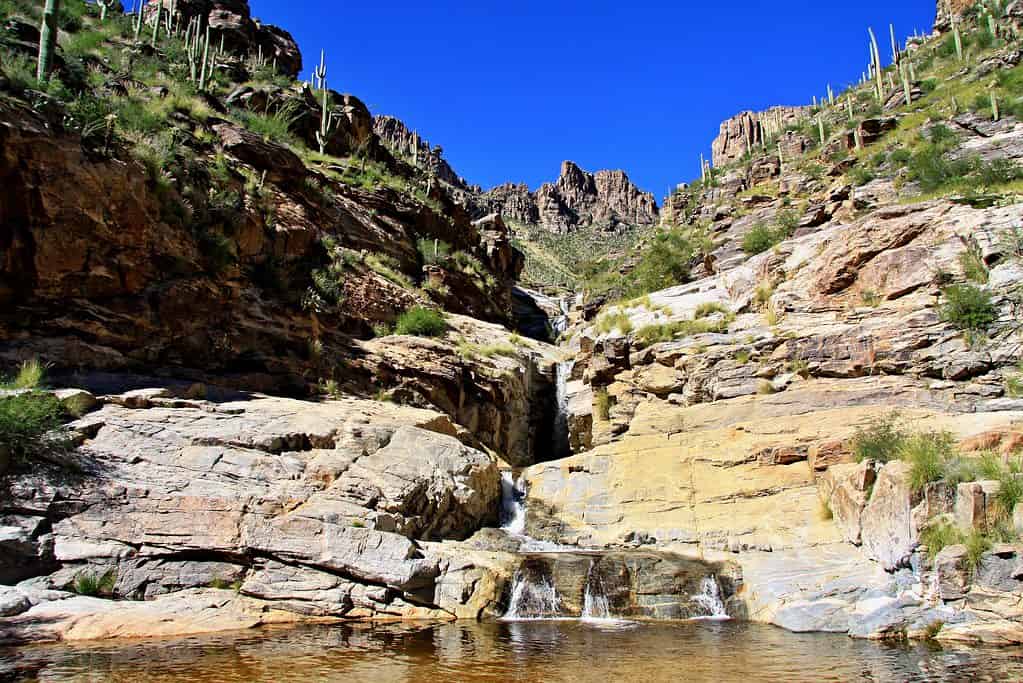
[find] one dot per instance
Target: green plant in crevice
(938, 536)
(95, 585)
(972, 263)
(929, 455)
(968, 308)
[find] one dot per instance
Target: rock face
(310, 509)
(242, 34)
(746, 130)
(605, 200)
(409, 145)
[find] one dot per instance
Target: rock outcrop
(396, 136)
(606, 200)
(306, 509)
(747, 130)
(232, 20)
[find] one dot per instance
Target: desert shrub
(760, 238)
(421, 322)
(968, 308)
(1010, 493)
(433, 251)
(666, 260)
(976, 545)
(974, 268)
(881, 438)
(27, 421)
(273, 125)
(901, 156)
(860, 175)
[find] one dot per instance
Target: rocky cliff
(747, 130)
(605, 200)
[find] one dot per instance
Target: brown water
(524, 651)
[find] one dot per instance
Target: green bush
(30, 375)
(759, 239)
(929, 455)
(434, 251)
(421, 322)
(613, 320)
(666, 260)
(881, 439)
(968, 308)
(974, 268)
(976, 545)
(26, 423)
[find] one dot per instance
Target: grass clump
(421, 322)
(759, 239)
(929, 455)
(616, 320)
(881, 439)
(939, 536)
(95, 585)
(973, 266)
(469, 350)
(976, 545)
(968, 308)
(30, 375)
(708, 309)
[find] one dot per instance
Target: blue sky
(510, 89)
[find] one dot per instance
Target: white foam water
(513, 505)
(533, 600)
(709, 598)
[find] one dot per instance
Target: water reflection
(537, 651)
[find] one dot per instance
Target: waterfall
(561, 444)
(709, 598)
(533, 596)
(513, 505)
(595, 603)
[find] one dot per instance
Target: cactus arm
(47, 39)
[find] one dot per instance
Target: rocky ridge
(605, 200)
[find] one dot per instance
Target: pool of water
(511, 651)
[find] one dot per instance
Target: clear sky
(510, 89)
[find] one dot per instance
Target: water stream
(561, 443)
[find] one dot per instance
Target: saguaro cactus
(156, 24)
(47, 39)
(875, 57)
(321, 72)
(328, 123)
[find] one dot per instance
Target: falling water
(595, 603)
(709, 598)
(533, 597)
(562, 373)
(513, 505)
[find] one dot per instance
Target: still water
(520, 651)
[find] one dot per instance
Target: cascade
(596, 606)
(562, 373)
(709, 598)
(513, 505)
(533, 595)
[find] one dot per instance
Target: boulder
(846, 487)
(887, 528)
(953, 576)
(280, 164)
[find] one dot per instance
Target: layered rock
(308, 509)
(743, 132)
(409, 145)
(606, 200)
